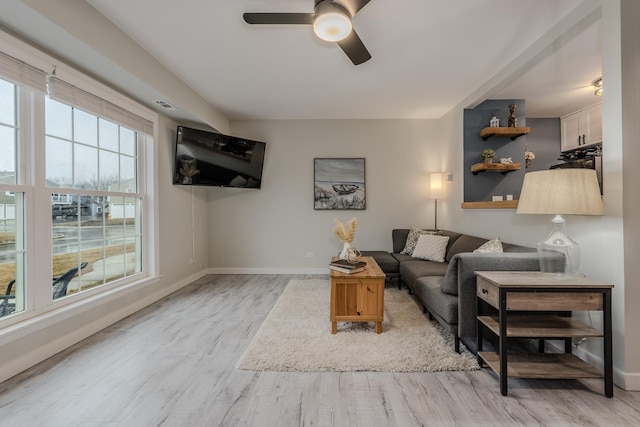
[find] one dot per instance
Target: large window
(96, 230)
(76, 214)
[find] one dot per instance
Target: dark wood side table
(512, 292)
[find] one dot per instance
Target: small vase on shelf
(488, 161)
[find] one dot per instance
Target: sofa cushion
(464, 243)
(402, 257)
(399, 239)
(508, 247)
(427, 289)
(431, 247)
(385, 260)
(412, 270)
(412, 239)
(492, 246)
(450, 282)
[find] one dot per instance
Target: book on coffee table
(346, 270)
(346, 264)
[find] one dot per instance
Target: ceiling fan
(331, 21)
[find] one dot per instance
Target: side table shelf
(528, 326)
(541, 365)
(511, 293)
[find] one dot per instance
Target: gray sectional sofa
(447, 290)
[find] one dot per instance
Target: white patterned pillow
(431, 247)
(412, 239)
(492, 246)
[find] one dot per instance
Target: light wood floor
(172, 364)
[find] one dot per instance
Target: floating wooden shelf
(513, 133)
(503, 204)
(494, 167)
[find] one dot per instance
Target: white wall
(184, 247)
(628, 96)
(273, 229)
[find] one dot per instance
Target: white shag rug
(296, 336)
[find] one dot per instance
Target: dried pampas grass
(346, 233)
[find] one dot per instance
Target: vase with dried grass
(346, 234)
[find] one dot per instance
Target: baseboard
(241, 270)
(631, 382)
(26, 345)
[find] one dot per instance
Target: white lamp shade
(436, 185)
(561, 191)
(332, 27)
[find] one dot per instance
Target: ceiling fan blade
(279, 18)
(355, 49)
(353, 6)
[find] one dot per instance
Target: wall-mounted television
(217, 160)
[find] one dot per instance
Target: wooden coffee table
(358, 297)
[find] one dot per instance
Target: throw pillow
(431, 247)
(492, 246)
(412, 239)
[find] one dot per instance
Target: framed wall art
(339, 183)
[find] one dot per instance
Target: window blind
(62, 91)
(21, 73)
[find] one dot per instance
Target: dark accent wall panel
(483, 186)
(544, 142)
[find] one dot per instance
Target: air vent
(164, 104)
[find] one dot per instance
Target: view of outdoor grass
(64, 262)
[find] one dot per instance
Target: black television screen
(214, 159)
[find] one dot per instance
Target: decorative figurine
(513, 120)
(528, 156)
(494, 122)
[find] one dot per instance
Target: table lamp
(560, 192)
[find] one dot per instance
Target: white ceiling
(427, 56)
(561, 83)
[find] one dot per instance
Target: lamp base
(558, 253)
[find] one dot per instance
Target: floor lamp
(560, 192)
(436, 193)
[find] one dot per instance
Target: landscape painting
(339, 184)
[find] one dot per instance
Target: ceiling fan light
(332, 26)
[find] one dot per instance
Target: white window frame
(38, 197)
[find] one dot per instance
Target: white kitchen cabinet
(581, 129)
